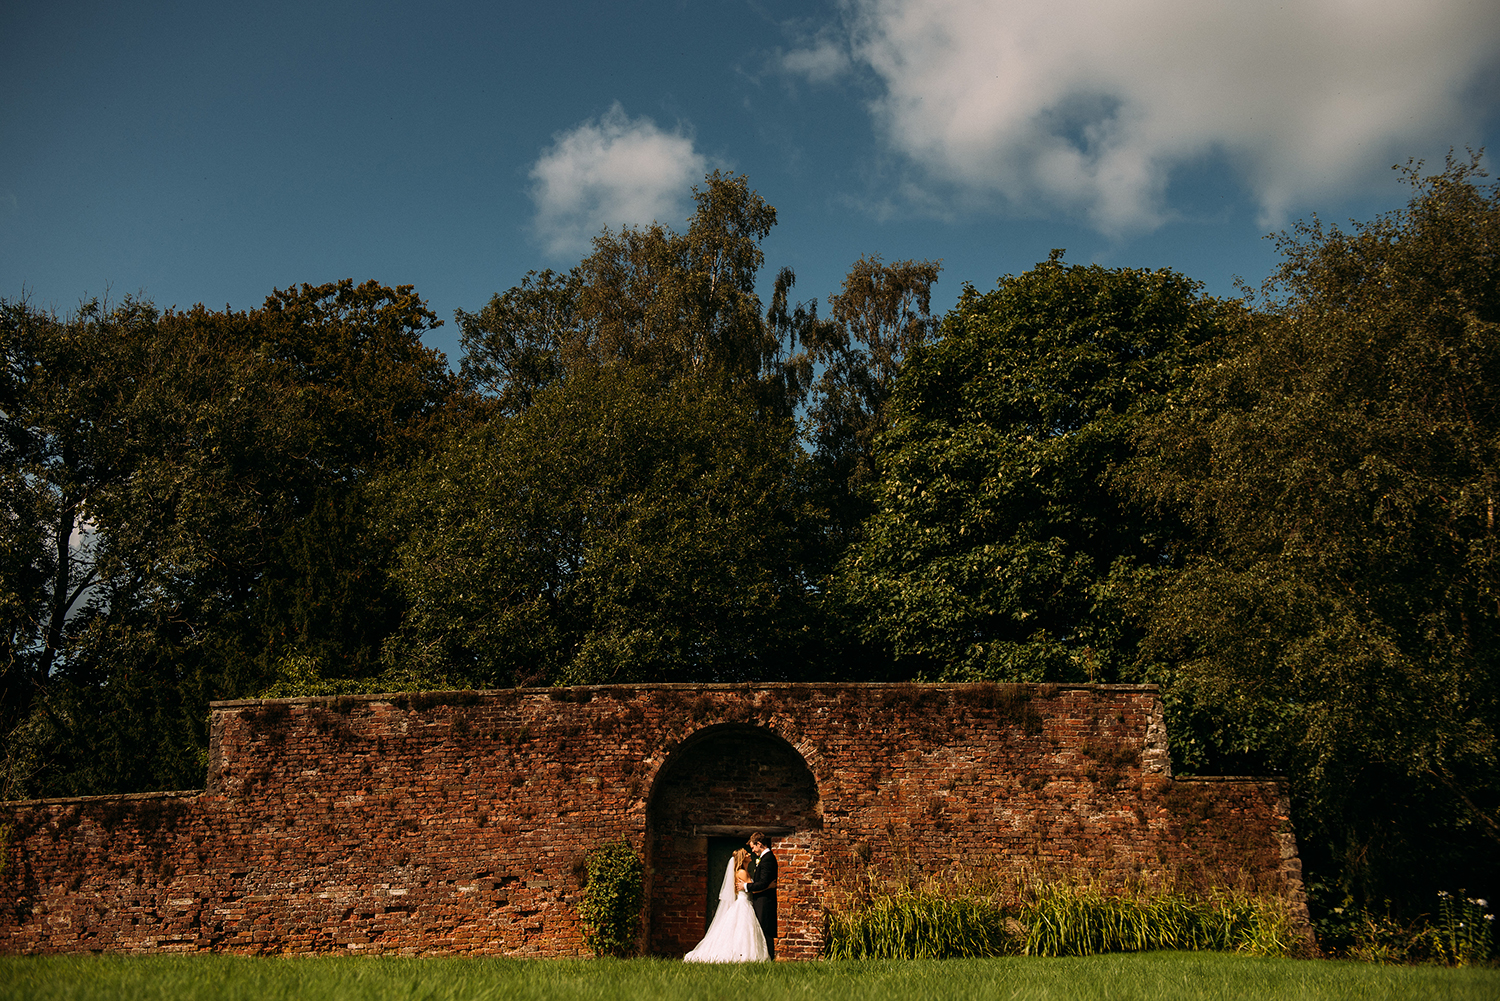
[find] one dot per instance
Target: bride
(734, 936)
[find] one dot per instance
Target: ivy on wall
(611, 906)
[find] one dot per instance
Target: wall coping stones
(109, 797)
(436, 698)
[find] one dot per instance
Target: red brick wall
(456, 823)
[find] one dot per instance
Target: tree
(62, 433)
(366, 397)
(1335, 615)
(999, 546)
(513, 346)
(219, 463)
(683, 306)
(614, 531)
(678, 305)
(881, 316)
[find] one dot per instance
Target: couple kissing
(744, 926)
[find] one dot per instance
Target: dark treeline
(1280, 508)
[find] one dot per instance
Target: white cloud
(824, 60)
(611, 172)
(1090, 105)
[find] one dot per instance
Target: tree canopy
(1334, 618)
(877, 321)
(648, 298)
(614, 531)
(185, 494)
(998, 539)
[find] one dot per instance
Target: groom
(762, 890)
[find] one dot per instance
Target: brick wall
(457, 823)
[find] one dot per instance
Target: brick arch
(725, 780)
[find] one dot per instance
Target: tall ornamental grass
(1064, 920)
(1058, 919)
(917, 926)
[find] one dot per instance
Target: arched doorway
(723, 783)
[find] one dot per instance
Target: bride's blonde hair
(739, 858)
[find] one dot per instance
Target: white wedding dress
(734, 935)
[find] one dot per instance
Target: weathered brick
(456, 823)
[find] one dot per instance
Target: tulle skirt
(733, 937)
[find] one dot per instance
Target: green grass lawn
(1155, 976)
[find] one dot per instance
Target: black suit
(762, 890)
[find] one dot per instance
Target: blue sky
(196, 152)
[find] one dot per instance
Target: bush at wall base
(611, 906)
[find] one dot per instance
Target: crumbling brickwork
(457, 823)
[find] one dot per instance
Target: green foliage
(614, 531)
(191, 491)
(1386, 939)
(1070, 920)
(513, 346)
(1465, 931)
(1334, 614)
(683, 307)
(999, 547)
(299, 675)
(63, 387)
(611, 905)
(917, 926)
(673, 305)
(1054, 919)
(878, 320)
(1460, 934)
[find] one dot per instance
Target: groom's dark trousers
(762, 890)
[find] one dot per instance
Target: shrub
(611, 906)
(1465, 932)
(1387, 940)
(1461, 934)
